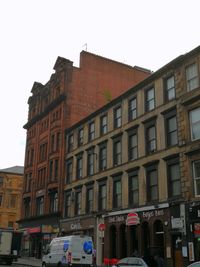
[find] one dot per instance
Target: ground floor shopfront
(160, 229)
(37, 234)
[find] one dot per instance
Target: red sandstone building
(71, 94)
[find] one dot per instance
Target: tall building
(133, 169)
(71, 94)
(11, 184)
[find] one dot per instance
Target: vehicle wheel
(43, 264)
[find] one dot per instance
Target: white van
(74, 250)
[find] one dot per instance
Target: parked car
(131, 262)
(195, 264)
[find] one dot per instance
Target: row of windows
(192, 80)
(53, 204)
(42, 175)
(171, 131)
(11, 202)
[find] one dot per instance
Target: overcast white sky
(147, 33)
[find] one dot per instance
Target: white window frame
(191, 124)
(195, 178)
(194, 77)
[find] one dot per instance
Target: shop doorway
(145, 238)
(122, 241)
(113, 241)
(134, 248)
(177, 250)
(158, 238)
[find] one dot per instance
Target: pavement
(29, 261)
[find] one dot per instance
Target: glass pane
(171, 94)
(197, 187)
(172, 124)
(135, 197)
(176, 188)
(174, 172)
(196, 131)
(170, 82)
(153, 178)
(195, 115)
(154, 193)
(134, 182)
(150, 94)
(151, 133)
(197, 169)
(173, 138)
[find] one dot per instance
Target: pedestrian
(159, 260)
(135, 253)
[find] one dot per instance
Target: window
(173, 172)
(69, 168)
(56, 169)
(70, 142)
(117, 151)
(43, 152)
(102, 156)
(1, 181)
(102, 196)
(80, 137)
(150, 133)
(51, 170)
(117, 192)
(79, 166)
(195, 124)
(58, 141)
(67, 204)
(78, 202)
(13, 201)
(192, 77)
(52, 143)
(133, 188)
(132, 144)
(196, 176)
(103, 124)
(132, 109)
(171, 128)
(150, 99)
(27, 207)
(91, 131)
(53, 197)
(170, 88)
(40, 206)
(117, 117)
(1, 200)
(152, 183)
(89, 199)
(28, 182)
(90, 162)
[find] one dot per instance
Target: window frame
(117, 197)
(148, 101)
(132, 192)
(102, 196)
(168, 116)
(149, 170)
(90, 161)
(78, 201)
(195, 178)
(190, 79)
(117, 155)
(69, 171)
(148, 125)
(103, 156)
(192, 124)
(132, 112)
(91, 131)
(171, 181)
(89, 202)
(117, 118)
(103, 126)
(131, 133)
(79, 167)
(169, 89)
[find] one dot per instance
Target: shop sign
(75, 226)
(115, 219)
(46, 228)
(177, 223)
(132, 219)
(154, 213)
(33, 230)
(101, 227)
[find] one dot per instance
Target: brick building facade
(11, 182)
(140, 155)
(71, 94)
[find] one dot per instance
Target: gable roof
(14, 169)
